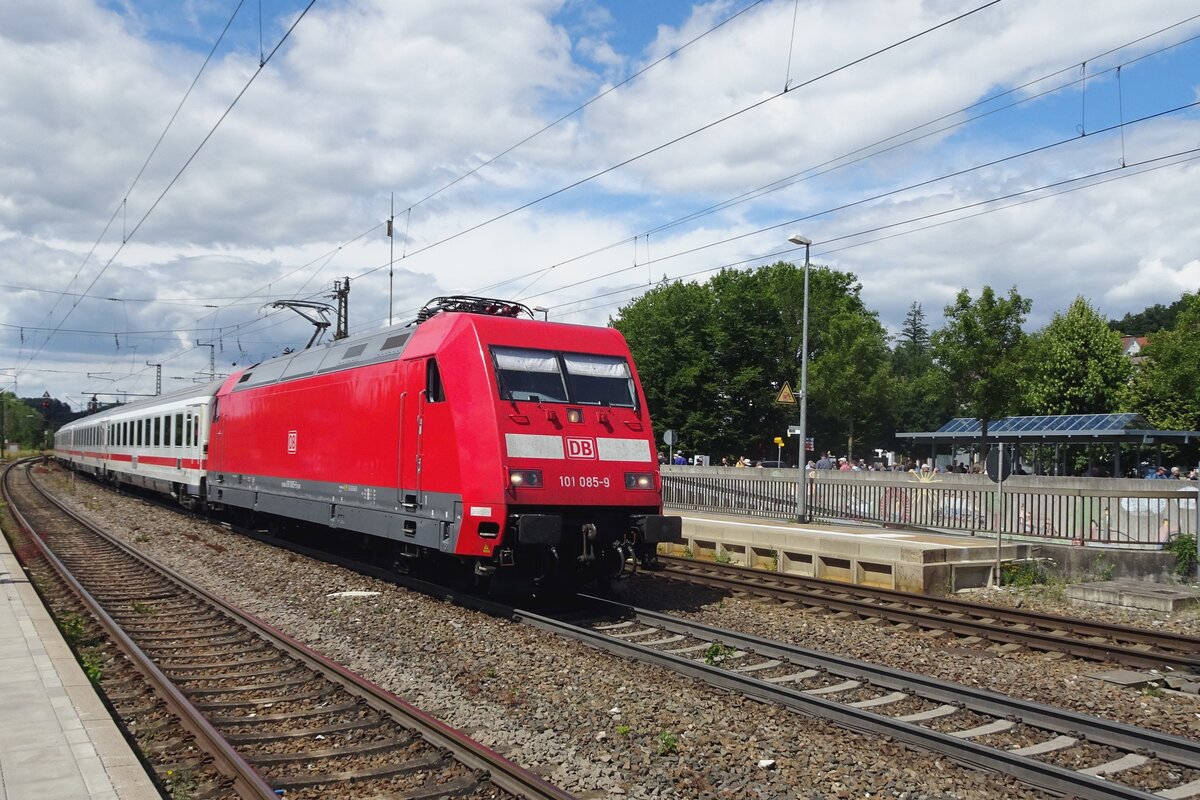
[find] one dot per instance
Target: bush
(1023, 573)
(1183, 547)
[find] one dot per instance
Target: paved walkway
(57, 740)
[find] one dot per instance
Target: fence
(1099, 510)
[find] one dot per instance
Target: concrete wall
(1081, 564)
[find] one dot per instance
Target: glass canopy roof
(1062, 424)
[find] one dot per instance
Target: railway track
(1047, 747)
(1052, 748)
(1099, 641)
(259, 714)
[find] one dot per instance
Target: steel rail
(1029, 770)
(502, 772)
(246, 781)
(1183, 652)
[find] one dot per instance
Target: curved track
(1135, 647)
(1049, 747)
(272, 715)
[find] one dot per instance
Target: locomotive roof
(385, 344)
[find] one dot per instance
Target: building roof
(1062, 427)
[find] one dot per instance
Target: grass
(723, 557)
(72, 628)
(623, 730)
(1039, 575)
(1023, 573)
(92, 664)
(181, 784)
(716, 653)
(141, 608)
(668, 742)
(1101, 568)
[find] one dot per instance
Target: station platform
(911, 561)
(57, 739)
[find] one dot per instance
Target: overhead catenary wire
(179, 173)
(582, 106)
(1106, 176)
(807, 82)
(123, 205)
(259, 321)
(957, 173)
(1112, 173)
(863, 153)
(868, 151)
(862, 201)
(695, 131)
(881, 195)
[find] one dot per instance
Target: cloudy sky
(153, 197)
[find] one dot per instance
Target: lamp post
(802, 496)
(544, 311)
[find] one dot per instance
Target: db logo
(581, 448)
(291, 441)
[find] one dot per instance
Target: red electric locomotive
(515, 446)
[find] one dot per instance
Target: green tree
(851, 382)
(980, 348)
(20, 423)
(1075, 365)
(753, 343)
(914, 334)
(1166, 386)
(923, 399)
(1150, 320)
(713, 356)
(667, 332)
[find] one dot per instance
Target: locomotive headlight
(528, 478)
(639, 480)
(574, 415)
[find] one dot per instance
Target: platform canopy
(1075, 428)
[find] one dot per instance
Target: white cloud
(370, 98)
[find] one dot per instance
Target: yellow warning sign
(786, 395)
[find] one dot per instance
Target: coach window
(434, 392)
(179, 430)
(157, 431)
(187, 431)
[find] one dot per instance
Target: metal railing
(1098, 510)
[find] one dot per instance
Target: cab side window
(434, 391)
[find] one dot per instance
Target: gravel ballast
(601, 726)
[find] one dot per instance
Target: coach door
(412, 402)
(193, 436)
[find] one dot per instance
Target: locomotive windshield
(550, 377)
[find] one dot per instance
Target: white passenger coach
(159, 444)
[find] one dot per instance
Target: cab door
(412, 400)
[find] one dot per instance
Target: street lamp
(545, 311)
(802, 497)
